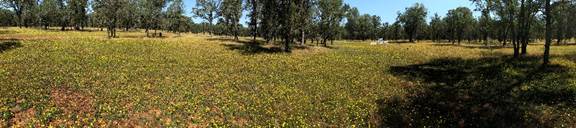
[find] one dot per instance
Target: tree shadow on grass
(485, 92)
(253, 48)
(9, 44)
(250, 47)
(477, 46)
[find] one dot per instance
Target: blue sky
(386, 9)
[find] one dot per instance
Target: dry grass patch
(72, 102)
(23, 118)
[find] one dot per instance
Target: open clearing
(84, 79)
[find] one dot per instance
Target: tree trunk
(515, 42)
(505, 33)
(547, 13)
(19, 15)
(522, 32)
(516, 45)
(324, 42)
(147, 32)
(504, 39)
(459, 37)
(236, 29)
(254, 19)
(559, 36)
(210, 27)
(303, 40)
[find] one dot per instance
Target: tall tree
(231, 12)
(460, 20)
(505, 11)
(304, 15)
(384, 30)
(255, 7)
(175, 15)
(560, 14)
(548, 42)
(25, 10)
(130, 14)
(152, 15)
(395, 31)
(7, 17)
(528, 10)
(270, 19)
(78, 13)
(331, 14)
(412, 19)
(207, 10)
(485, 21)
(17, 6)
(287, 16)
(49, 13)
(436, 27)
(352, 25)
(109, 8)
(64, 18)
(375, 24)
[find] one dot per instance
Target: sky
(386, 9)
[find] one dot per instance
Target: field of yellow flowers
(53, 78)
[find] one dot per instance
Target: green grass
(52, 78)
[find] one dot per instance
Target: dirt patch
(23, 118)
(150, 118)
(72, 102)
(240, 121)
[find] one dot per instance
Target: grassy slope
(80, 78)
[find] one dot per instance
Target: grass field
(52, 78)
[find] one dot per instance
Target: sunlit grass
(85, 79)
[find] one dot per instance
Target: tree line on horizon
(510, 22)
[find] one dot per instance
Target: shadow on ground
(251, 47)
(486, 92)
(10, 44)
(477, 46)
(493, 46)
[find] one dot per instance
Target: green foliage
(207, 10)
(108, 9)
(78, 17)
(460, 22)
(361, 27)
(231, 12)
(131, 15)
(152, 14)
(413, 19)
(49, 13)
(175, 15)
(437, 28)
(331, 14)
(7, 17)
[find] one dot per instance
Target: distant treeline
(515, 22)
